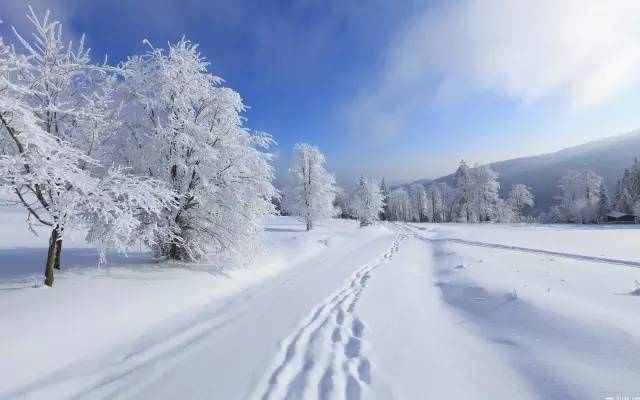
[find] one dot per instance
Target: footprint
(300, 369)
(352, 349)
(325, 386)
(357, 327)
(336, 336)
(353, 391)
(364, 371)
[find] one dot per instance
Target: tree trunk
(56, 264)
(52, 256)
(174, 252)
(309, 224)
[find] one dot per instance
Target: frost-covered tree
(184, 128)
(464, 187)
(368, 201)
(342, 204)
(622, 201)
(436, 204)
(579, 197)
(506, 212)
(384, 189)
(312, 188)
(56, 118)
(604, 203)
(477, 193)
(449, 199)
(628, 189)
(484, 193)
(419, 202)
(519, 198)
(442, 202)
(400, 208)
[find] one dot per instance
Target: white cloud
(528, 50)
(13, 13)
(582, 53)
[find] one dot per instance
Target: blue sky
(400, 89)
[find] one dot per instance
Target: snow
(392, 311)
(102, 328)
(426, 352)
(609, 241)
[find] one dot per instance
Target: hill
(606, 157)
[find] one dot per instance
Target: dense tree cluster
(475, 197)
(579, 197)
(627, 195)
(151, 151)
(584, 197)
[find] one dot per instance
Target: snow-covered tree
(343, 204)
(579, 197)
(506, 212)
(367, 201)
(185, 129)
(604, 203)
(485, 193)
(464, 188)
(400, 208)
(622, 201)
(436, 206)
(312, 188)
(519, 198)
(628, 189)
(384, 189)
(56, 116)
(419, 202)
(477, 193)
(449, 197)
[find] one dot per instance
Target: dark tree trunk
(53, 256)
(178, 252)
(56, 263)
(174, 252)
(309, 224)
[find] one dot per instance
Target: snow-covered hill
(607, 157)
(391, 311)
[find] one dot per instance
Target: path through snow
(324, 358)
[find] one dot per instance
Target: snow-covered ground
(341, 312)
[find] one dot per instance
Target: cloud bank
(577, 53)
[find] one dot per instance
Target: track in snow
(325, 358)
(580, 257)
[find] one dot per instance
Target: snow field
(324, 357)
(567, 326)
(391, 311)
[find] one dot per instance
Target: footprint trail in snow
(325, 358)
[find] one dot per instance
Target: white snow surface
(391, 311)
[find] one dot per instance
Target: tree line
(584, 197)
(474, 197)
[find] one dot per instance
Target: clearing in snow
(392, 311)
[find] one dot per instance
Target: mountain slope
(607, 157)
